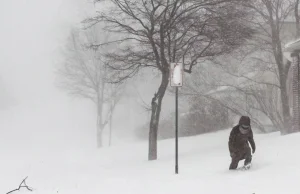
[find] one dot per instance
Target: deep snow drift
(203, 164)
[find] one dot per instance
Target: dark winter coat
(238, 142)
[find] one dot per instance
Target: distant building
(292, 51)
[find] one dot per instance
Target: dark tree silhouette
(154, 33)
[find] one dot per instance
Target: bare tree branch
(22, 185)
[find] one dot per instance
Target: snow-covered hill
(203, 161)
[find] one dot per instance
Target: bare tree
(155, 33)
(84, 74)
(297, 18)
(269, 20)
(237, 93)
(261, 93)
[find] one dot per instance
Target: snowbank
(203, 164)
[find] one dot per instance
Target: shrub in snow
(204, 116)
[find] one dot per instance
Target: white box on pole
(176, 74)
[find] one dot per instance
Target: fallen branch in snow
(22, 185)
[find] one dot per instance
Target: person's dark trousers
(236, 158)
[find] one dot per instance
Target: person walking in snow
(239, 148)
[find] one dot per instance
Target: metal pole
(176, 132)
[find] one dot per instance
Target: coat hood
(244, 120)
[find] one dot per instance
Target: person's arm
(251, 141)
(231, 141)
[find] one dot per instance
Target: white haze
(51, 138)
(32, 35)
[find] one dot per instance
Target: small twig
(22, 185)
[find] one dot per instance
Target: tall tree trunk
(155, 116)
(99, 123)
(274, 23)
(297, 19)
(99, 133)
(110, 122)
(278, 55)
(284, 101)
(100, 126)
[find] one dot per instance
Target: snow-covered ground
(124, 169)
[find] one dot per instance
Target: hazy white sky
(32, 33)
(30, 36)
